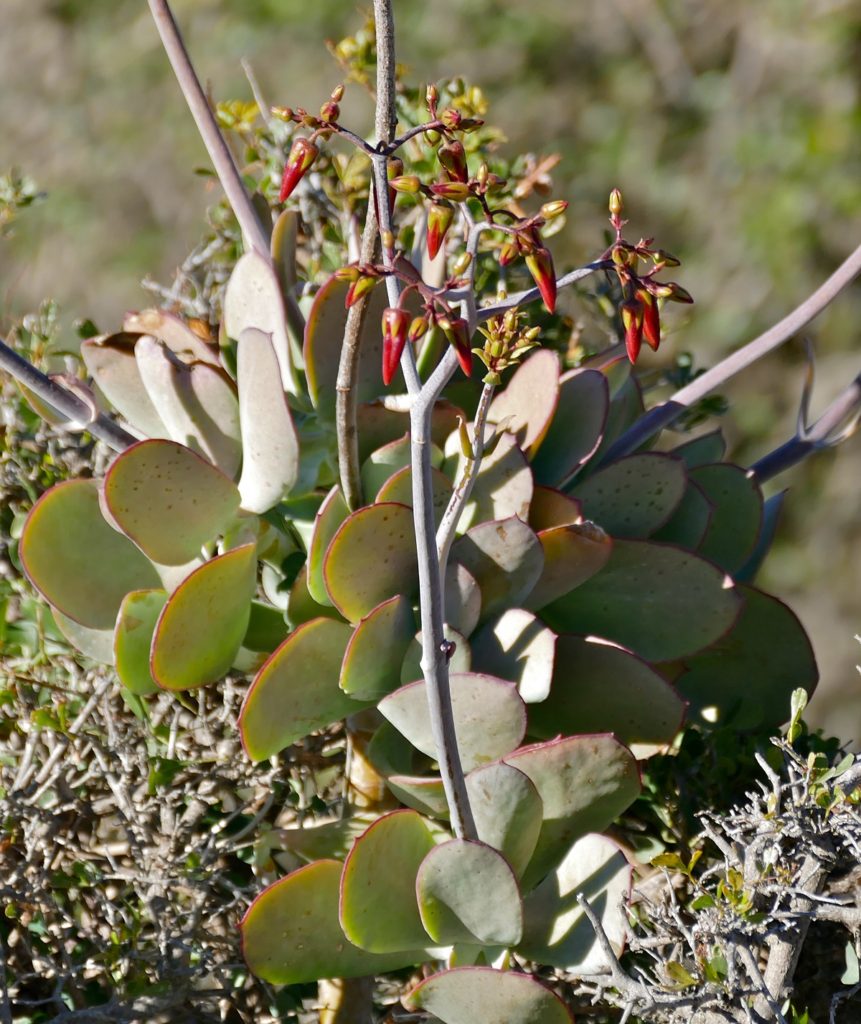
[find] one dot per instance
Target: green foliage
(589, 599)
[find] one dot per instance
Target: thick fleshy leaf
(507, 811)
(687, 526)
(111, 363)
(329, 517)
(97, 644)
(634, 496)
(174, 332)
(503, 486)
(196, 403)
(467, 995)
(372, 661)
(291, 933)
(296, 691)
(556, 931)
(460, 660)
(601, 688)
(659, 601)
(382, 463)
(371, 558)
(330, 839)
(706, 448)
(626, 407)
(453, 884)
(82, 566)
(572, 555)
(518, 647)
(584, 783)
(462, 598)
(399, 488)
(423, 793)
(489, 717)
(324, 336)
(736, 517)
(771, 510)
(506, 559)
(301, 606)
(748, 676)
(253, 299)
(270, 445)
(202, 625)
(136, 623)
(550, 508)
(378, 909)
(168, 500)
(266, 630)
(576, 429)
(529, 400)
(379, 425)
(283, 249)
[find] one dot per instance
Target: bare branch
(219, 153)
(463, 488)
(64, 401)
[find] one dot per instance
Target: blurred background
(733, 129)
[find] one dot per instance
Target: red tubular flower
(456, 190)
(651, 319)
(508, 253)
(540, 264)
(395, 325)
(302, 154)
(439, 221)
(457, 333)
(632, 319)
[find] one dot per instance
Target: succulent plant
(593, 598)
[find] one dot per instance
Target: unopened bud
(470, 124)
(540, 264)
(550, 210)
(394, 167)
(303, 153)
(439, 221)
(432, 98)
(330, 111)
(432, 136)
(282, 113)
(418, 328)
(388, 240)
(615, 204)
(461, 264)
(457, 191)
(452, 156)
(406, 183)
(481, 177)
(338, 93)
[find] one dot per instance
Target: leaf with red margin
(291, 932)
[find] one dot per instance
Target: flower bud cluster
(640, 311)
(507, 341)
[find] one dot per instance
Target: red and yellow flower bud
(454, 190)
(330, 111)
(439, 221)
(632, 320)
(651, 319)
(361, 286)
(508, 253)
(418, 329)
(678, 294)
(396, 323)
(350, 274)
(302, 154)
(457, 333)
(452, 156)
(540, 264)
(408, 183)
